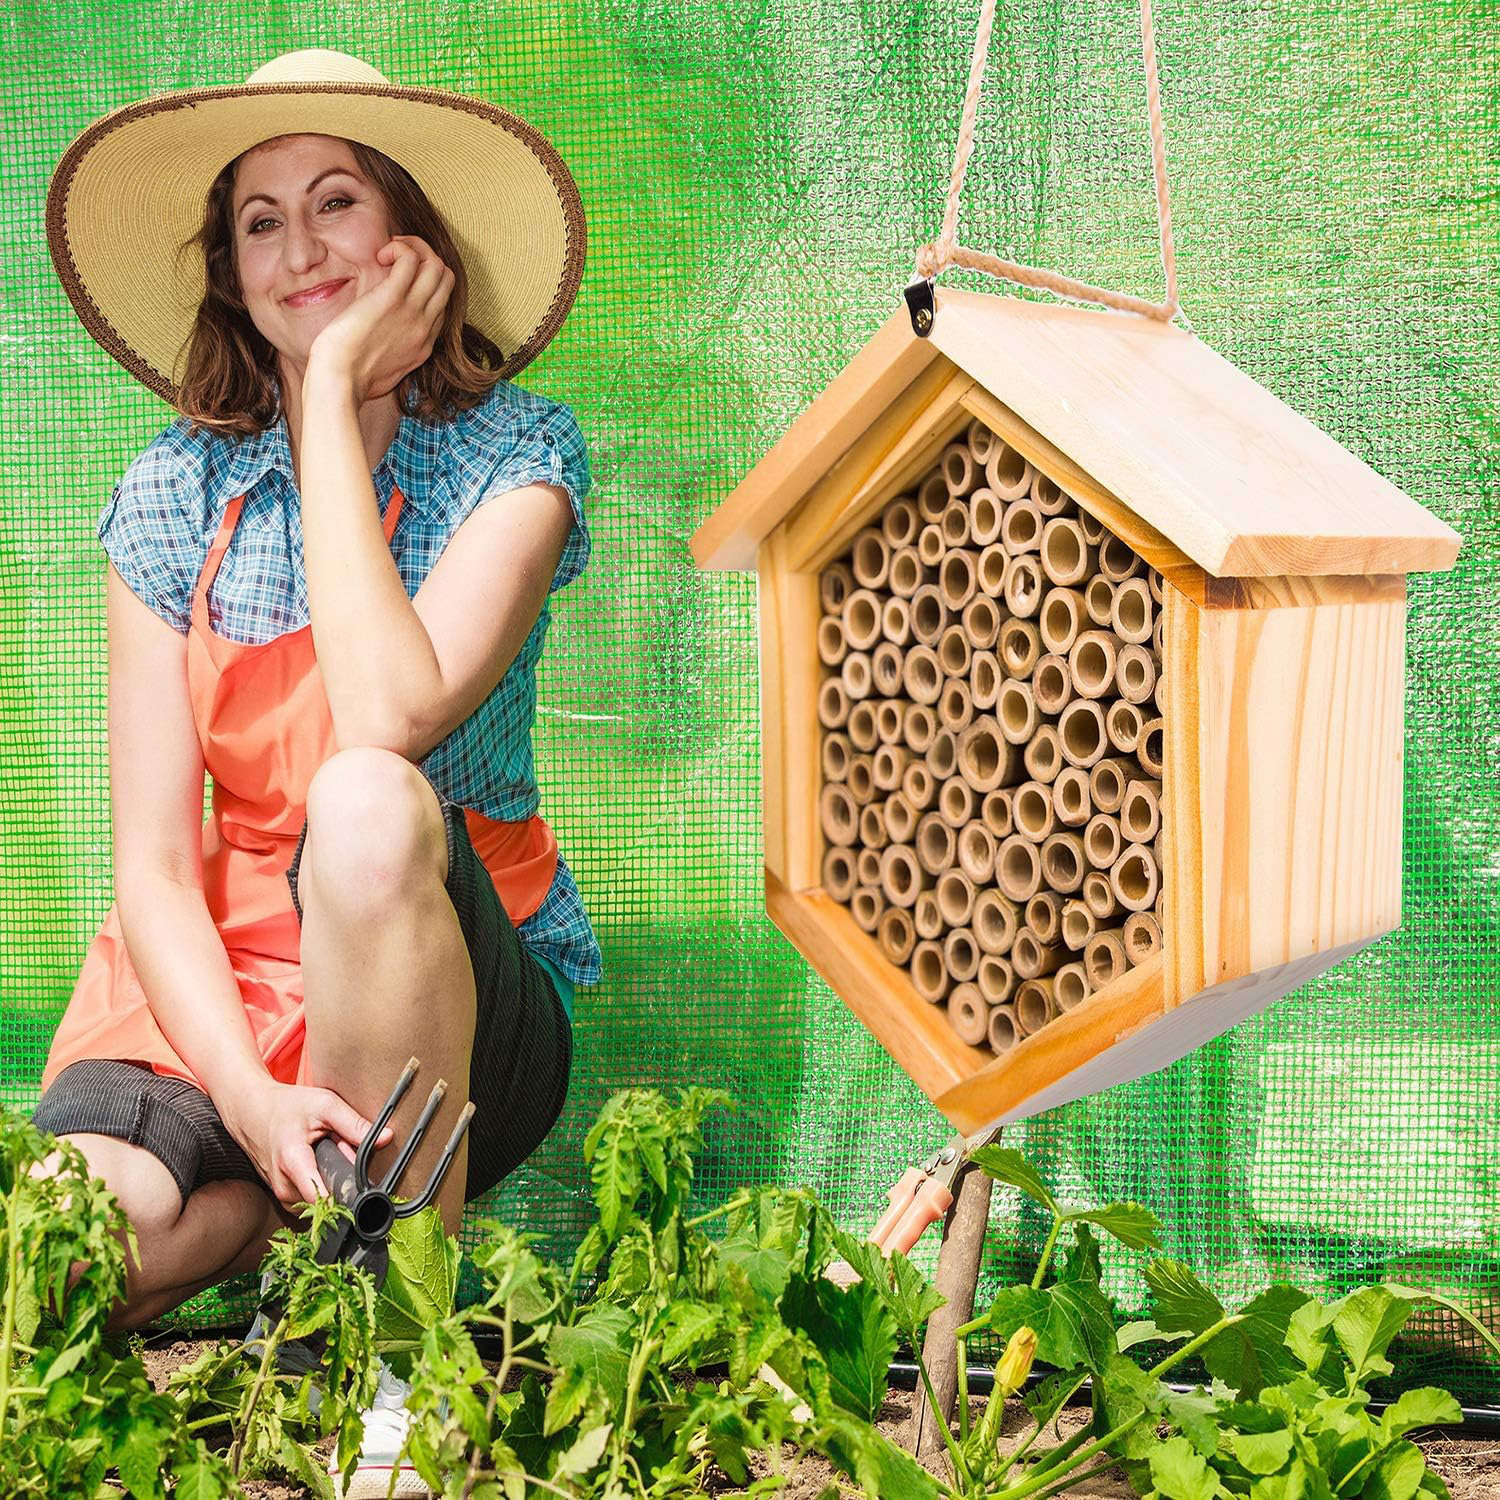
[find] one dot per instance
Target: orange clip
(917, 1201)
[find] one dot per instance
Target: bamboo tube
(969, 1015)
(1060, 619)
(1051, 686)
(928, 976)
(1140, 814)
(1066, 557)
(996, 921)
(984, 680)
(1043, 759)
(901, 875)
(996, 812)
(954, 652)
(1118, 560)
(838, 814)
(955, 898)
(863, 726)
(836, 752)
(932, 496)
(981, 622)
(956, 707)
(929, 615)
(935, 844)
(1006, 472)
(1093, 529)
(1104, 959)
(1021, 529)
(961, 954)
(1044, 916)
(1132, 612)
(832, 643)
(1070, 986)
(1070, 797)
(1154, 583)
(1141, 936)
(900, 523)
(866, 905)
(986, 512)
(888, 765)
(1152, 746)
(1135, 878)
(992, 569)
(1033, 958)
(957, 582)
(919, 786)
(1020, 646)
(870, 558)
(1063, 862)
(1081, 730)
(1091, 664)
(1015, 711)
(1035, 1005)
(1108, 780)
(887, 664)
(861, 779)
(976, 852)
(942, 753)
(867, 863)
(1122, 722)
(1033, 811)
(838, 873)
(955, 524)
(896, 934)
(890, 720)
(895, 620)
(921, 675)
(1079, 924)
(1135, 672)
(926, 917)
(1024, 586)
(901, 812)
(1018, 868)
(1049, 497)
(1156, 636)
(957, 803)
(1102, 841)
(930, 548)
(959, 469)
(1099, 601)
(919, 724)
(986, 759)
(861, 617)
(1099, 895)
(857, 673)
(835, 584)
(908, 572)
(1003, 1033)
(996, 978)
(980, 440)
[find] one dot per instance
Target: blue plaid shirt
(166, 510)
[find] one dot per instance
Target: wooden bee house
(1082, 677)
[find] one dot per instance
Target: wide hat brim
(130, 192)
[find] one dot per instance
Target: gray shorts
(518, 1070)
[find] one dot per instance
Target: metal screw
(924, 320)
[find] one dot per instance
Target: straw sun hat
(131, 189)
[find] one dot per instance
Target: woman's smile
(314, 295)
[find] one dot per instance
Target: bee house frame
(1284, 560)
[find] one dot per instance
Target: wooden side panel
(916, 1035)
(789, 673)
(1283, 784)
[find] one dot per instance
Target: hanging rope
(945, 251)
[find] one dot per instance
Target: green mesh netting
(757, 179)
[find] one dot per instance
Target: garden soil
(1470, 1466)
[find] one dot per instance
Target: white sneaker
(386, 1424)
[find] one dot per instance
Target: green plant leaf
(1396, 1474)
(1196, 1414)
(1129, 1335)
(911, 1298)
(686, 1327)
(1262, 1452)
(1011, 1168)
(1182, 1303)
(1423, 1406)
(855, 1332)
(417, 1291)
(1365, 1322)
(1082, 1262)
(586, 1452)
(598, 1345)
(764, 1268)
(1072, 1321)
(1130, 1223)
(1181, 1473)
(1253, 1353)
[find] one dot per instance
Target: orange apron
(265, 727)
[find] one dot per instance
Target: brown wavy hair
(232, 383)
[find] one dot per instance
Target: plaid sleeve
(147, 534)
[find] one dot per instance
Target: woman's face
(306, 220)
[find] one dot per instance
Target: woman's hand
(389, 330)
(278, 1123)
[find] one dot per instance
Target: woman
(328, 586)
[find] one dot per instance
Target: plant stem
(1194, 1345)
(955, 1457)
(8, 1326)
(1041, 1265)
(247, 1412)
(1048, 1477)
(1072, 1479)
(742, 1199)
(1021, 1452)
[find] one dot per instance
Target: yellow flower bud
(1015, 1363)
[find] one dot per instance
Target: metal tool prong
(417, 1204)
(434, 1101)
(367, 1146)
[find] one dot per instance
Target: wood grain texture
(1283, 785)
(791, 767)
